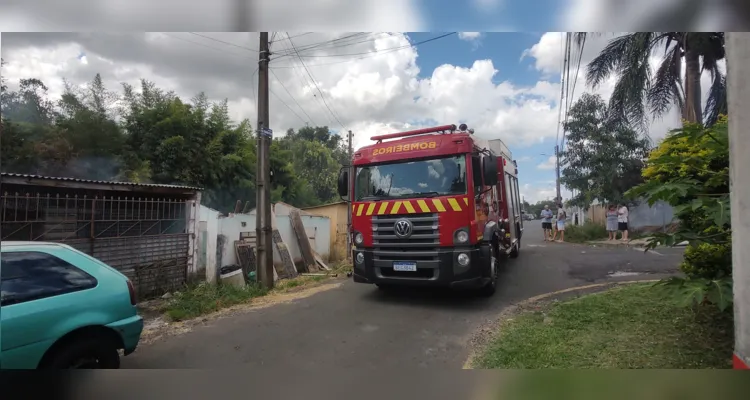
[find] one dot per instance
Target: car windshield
(423, 178)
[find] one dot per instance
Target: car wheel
(491, 287)
(85, 353)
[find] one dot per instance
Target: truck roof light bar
(442, 128)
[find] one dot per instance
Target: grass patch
(585, 233)
(632, 326)
(200, 299)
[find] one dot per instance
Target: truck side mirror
(489, 170)
(343, 182)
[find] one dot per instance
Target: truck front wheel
(491, 287)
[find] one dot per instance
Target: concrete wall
(641, 217)
(207, 237)
(337, 213)
(318, 229)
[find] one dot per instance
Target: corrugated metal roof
(60, 178)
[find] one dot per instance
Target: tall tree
(603, 157)
(638, 92)
(151, 135)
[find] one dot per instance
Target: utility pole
(263, 227)
(566, 60)
(557, 172)
(349, 213)
(738, 97)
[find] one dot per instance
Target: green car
(63, 309)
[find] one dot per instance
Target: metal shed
(146, 231)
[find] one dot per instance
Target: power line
(204, 45)
(346, 40)
(287, 105)
(221, 41)
(309, 119)
(301, 34)
(575, 80)
(316, 86)
(305, 81)
(370, 52)
(373, 53)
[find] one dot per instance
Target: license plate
(405, 266)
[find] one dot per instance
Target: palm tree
(638, 91)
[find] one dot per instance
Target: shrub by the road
(585, 233)
(708, 261)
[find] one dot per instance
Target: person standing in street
(622, 221)
(612, 218)
(547, 223)
(560, 223)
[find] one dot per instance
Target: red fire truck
(433, 207)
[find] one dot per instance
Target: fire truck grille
(422, 245)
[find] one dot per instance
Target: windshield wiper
(420, 194)
(366, 198)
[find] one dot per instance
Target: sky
(504, 85)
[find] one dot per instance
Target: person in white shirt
(622, 221)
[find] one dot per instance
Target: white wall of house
(318, 230)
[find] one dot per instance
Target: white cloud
(469, 36)
(542, 191)
(548, 164)
(371, 95)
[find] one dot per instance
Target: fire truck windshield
(422, 178)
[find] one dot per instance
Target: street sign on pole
(266, 132)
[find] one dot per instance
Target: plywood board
(304, 242)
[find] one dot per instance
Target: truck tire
(491, 287)
(516, 249)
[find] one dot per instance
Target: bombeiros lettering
(404, 147)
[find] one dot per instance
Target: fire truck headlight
(462, 237)
(358, 239)
(360, 258)
(463, 259)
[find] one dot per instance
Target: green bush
(584, 233)
(707, 261)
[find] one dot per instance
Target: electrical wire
(317, 87)
(326, 42)
(575, 79)
(287, 106)
(373, 53)
(204, 45)
(309, 119)
(222, 41)
(305, 81)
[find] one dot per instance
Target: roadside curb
(523, 303)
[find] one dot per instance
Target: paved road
(359, 326)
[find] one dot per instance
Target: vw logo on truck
(402, 228)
